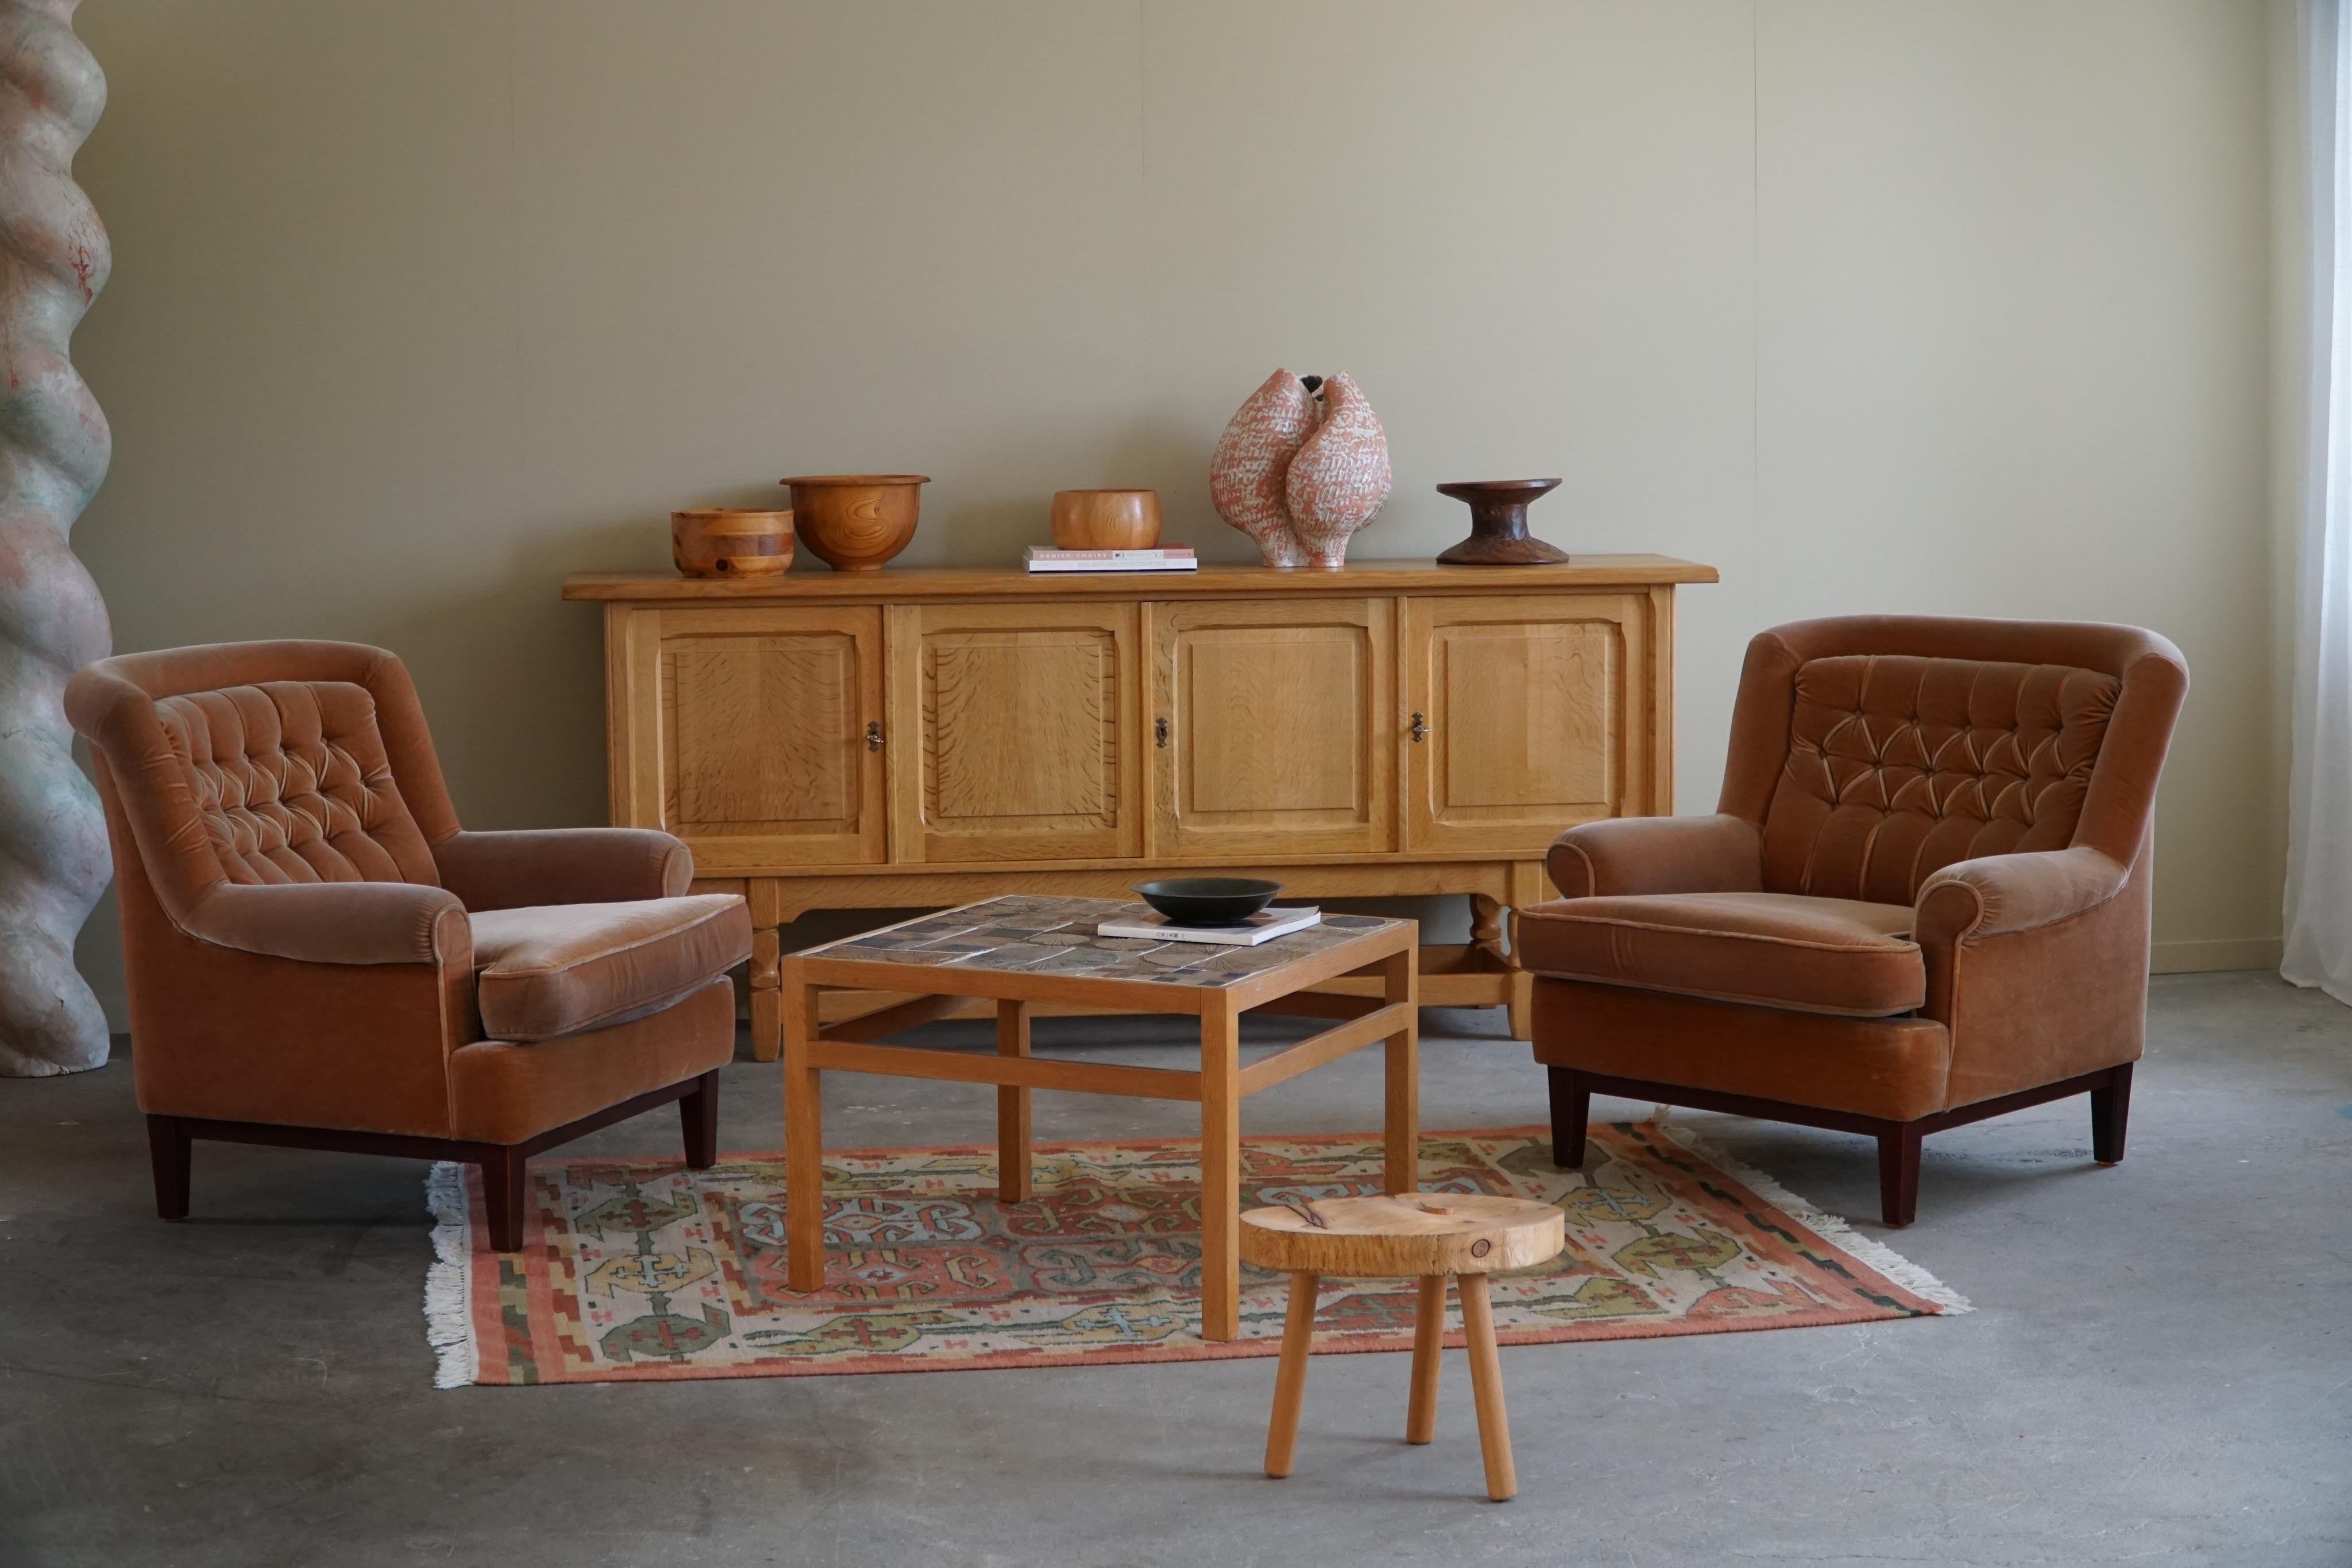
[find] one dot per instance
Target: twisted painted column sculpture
(54, 446)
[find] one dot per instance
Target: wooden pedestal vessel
(1430, 1235)
(921, 738)
(1498, 524)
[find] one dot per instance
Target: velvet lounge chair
(319, 957)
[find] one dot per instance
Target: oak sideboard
(921, 738)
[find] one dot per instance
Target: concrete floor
(2160, 1367)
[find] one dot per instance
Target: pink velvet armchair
(1923, 899)
(319, 957)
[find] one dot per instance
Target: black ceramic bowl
(1208, 900)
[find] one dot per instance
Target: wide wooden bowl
(855, 522)
(1208, 900)
(729, 541)
(1106, 519)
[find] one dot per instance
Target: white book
(1264, 926)
(1145, 552)
(1163, 563)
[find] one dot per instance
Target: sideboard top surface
(1358, 577)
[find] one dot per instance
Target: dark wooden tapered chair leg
(1899, 1173)
(503, 1196)
(699, 1113)
(167, 1142)
(2111, 1116)
(1571, 1108)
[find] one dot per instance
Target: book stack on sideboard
(1044, 559)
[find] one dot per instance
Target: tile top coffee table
(1024, 950)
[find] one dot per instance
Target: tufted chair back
(1877, 750)
(290, 782)
(265, 763)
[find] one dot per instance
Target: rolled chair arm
(2001, 894)
(1658, 854)
(562, 865)
(338, 923)
(2038, 964)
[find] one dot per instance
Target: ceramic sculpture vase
(1302, 467)
(1247, 475)
(1340, 478)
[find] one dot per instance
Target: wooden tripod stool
(1424, 1235)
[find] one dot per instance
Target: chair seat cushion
(548, 969)
(1775, 949)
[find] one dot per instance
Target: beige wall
(1957, 306)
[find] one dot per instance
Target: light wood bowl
(1106, 519)
(855, 522)
(729, 541)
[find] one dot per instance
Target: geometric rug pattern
(639, 1270)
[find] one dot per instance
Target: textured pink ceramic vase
(1302, 467)
(1340, 478)
(1247, 476)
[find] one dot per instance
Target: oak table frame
(1386, 952)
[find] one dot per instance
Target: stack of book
(1264, 926)
(1171, 558)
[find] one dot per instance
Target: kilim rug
(638, 1269)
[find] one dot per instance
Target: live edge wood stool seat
(1018, 952)
(921, 737)
(1430, 1236)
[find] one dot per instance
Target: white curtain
(2318, 950)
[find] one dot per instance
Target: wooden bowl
(729, 541)
(855, 522)
(1106, 519)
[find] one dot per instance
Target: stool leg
(1428, 1347)
(1290, 1378)
(1486, 1384)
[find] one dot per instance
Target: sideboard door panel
(1535, 717)
(765, 760)
(1277, 715)
(1020, 724)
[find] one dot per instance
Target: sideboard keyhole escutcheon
(873, 734)
(1159, 733)
(1420, 729)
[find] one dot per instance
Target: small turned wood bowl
(1106, 519)
(728, 542)
(855, 522)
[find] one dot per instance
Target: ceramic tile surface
(1056, 936)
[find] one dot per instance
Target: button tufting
(291, 783)
(1910, 765)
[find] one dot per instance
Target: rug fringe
(449, 1283)
(1828, 1227)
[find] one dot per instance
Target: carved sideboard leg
(767, 1011)
(765, 894)
(1487, 923)
(1487, 915)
